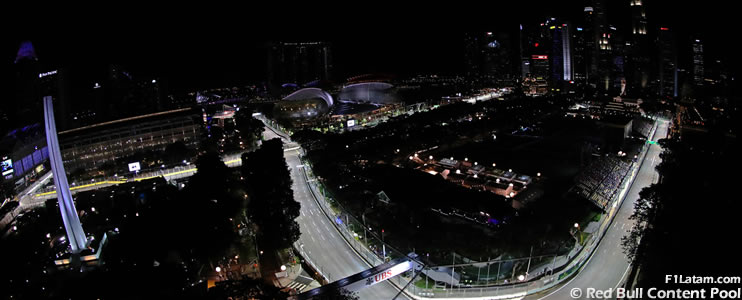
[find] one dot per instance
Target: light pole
(383, 245)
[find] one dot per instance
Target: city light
(208, 171)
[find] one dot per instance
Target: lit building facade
(91, 146)
(698, 71)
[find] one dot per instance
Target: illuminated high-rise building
(638, 18)
(562, 72)
(580, 55)
(487, 57)
(536, 46)
(698, 71)
(638, 55)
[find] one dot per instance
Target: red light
(535, 45)
(664, 28)
(382, 230)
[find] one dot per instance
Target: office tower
(602, 55)
(536, 48)
(638, 55)
(561, 55)
(471, 55)
(580, 56)
(638, 18)
(487, 57)
(667, 60)
(698, 71)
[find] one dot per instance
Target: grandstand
(642, 126)
(600, 180)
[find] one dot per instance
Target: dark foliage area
(687, 220)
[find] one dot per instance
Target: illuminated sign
(7, 166)
(393, 271)
(380, 276)
(133, 167)
(579, 28)
(351, 123)
(539, 57)
(41, 75)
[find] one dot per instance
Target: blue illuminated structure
(26, 51)
(75, 234)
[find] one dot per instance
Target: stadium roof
(309, 93)
(369, 92)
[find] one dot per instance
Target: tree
(176, 152)
(212, 200)
(250, 129)
(271, 203)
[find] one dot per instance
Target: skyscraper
(562, 71)
(580, 55)
(638, 57)
(668, 66)
(602, 55)
(638, 18)
(698, 71)
(536, 45)
(301, 63)
(487, 57)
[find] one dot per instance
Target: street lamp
(218, 269)
(283, 268)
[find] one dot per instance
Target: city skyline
(233, 51)
(517, 150)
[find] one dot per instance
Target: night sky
(221, 47)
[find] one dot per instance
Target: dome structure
(304, 103)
